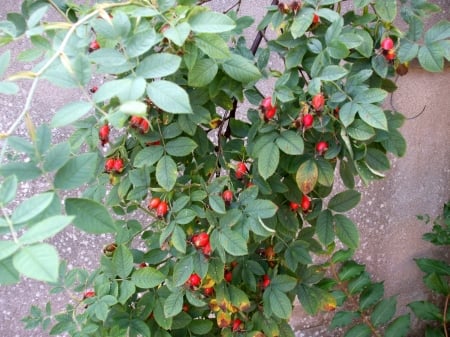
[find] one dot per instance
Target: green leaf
(344, 201)
(5, 59)
(217, 204)
(325, 227)
(437, 283)
(280, 304)
(108, 57)
(7, 248)
(360, 330)
(332, 73)
(180, 147)
(311, 298)
(139, 43)
(76, 172)
(346, 231)
(261, 208)
(169, 97)
(386, 9)
(183, 270)
(166, 173)
(384, 311)
(211, 22)
(268, 159)
(90, 216)
(380, 65)
(407, 51)
(32, 207)
(233, 243)
(302, 21)
(307, 176)
(70, 113)
(178, 34)
(122, 261)
(158, 65)
(148, 156)
(440, 31)
(398, 327)
(200, 326)
(212, 45)
(373, 115)
(371, 295)
(377, 160)
(426, 310)
(8, 274)
(137, 327)
(290, 142)
(326, 172)
(8, 88)
(135, 108)
(359, 130)
(283, 283)
(147, 277)
(8, 190)
(372, 95)
(343, 318)
(173, 304)
(126, 290)
(56, 157)
(39, 262)
(45, 229)
(202, 73)
(241, 69)
(431, 57)
(433, 266)
(348, 112)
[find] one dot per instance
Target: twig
(444, 321)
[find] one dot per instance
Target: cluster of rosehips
(201, 242)
(267, 109)
(114, 165)
(103, 134)
(387, 46)
(140, 124)
(305, 204)
(160, 206)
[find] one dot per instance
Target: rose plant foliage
(221, 217)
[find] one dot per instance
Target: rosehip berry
(269, 114)
(200, 240)
(269, 253)
(237, 325)
(387, 43)
(208, 291)
(144, 126)
(162, 209)
(93, 89)
(402, 69)
(207, 249)
(185, 307)
(135, 121)
(118, 165)
(109, 249)
(153, 203)
(228, 276)
(103, 134)
(318, 102)
(294, 206)
(267, 108)
(241, 170)
(266, 281)
(305, 203)
(94, 45)
(307, 121)
(321, 147)
(88, 294)
(390, 55)
(227, 196)
(109, 164)
(194, 281)
(316, 19)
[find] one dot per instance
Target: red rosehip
(227, 196)
(109, 164)
(143, 264)
(321, 147)
(228, 276)
(269, 114)
(185, 307)
(316, 18)
(200, 240)
(88, 294)
(266, 281)
(207, 249)
(294, 206)
(118, 165)
(93, 89)
(103, 134)
(318, 102)
(241, 170)
(305, 203)
(267, 108)
(237, 325)
(390, 55)
(153, 203)
(387, 43)
(208, 291)
(156, 142)
(194, 281)
(144, 126)
(135, 121)
(94, 45)
(162, 209)
(307, 121)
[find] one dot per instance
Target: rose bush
(221, 217)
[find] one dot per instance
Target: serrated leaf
(183, 270)
(344, 201)
(147, 277)
(311, 298)
(307, 176)
(372, 95)
(302, 21)
(440, 31)
(45, 229)
(431, 57)
(260, 208)
(433, 266)
(70, 113)
(241, 69)
(8, 190)
(173, 304)
(7, 248)
(39, 262)
(8, 88)
(32, 207)
(76, 172)
(290, 142)
(360, 131)
(280, 304)
(332, 73)
(373, 115)
(384, 311)
(371, 295)
(211, 22)
(126, 290)
(202, 73)
(180, 147)
(169, 97)
(268, 159)
(360, 330)
(398, 327)
(9, 274)
(90, 216)
(166, 173)
(343, 318)
(233, 243)
(158, 65)
(386, 9)
(56, 157)
(212, 45)
(178, 34)
(325, 227)
(217, 204)
(122, 261)
(148, 156)
(346, 231)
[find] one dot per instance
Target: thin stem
(444, 321)
(11, 227)
(52, 3)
